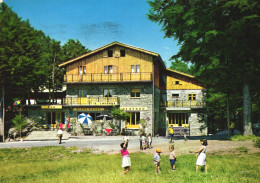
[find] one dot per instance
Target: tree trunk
(247, 104)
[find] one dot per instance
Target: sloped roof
(181, 73)
(107, 46)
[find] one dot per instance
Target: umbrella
(17, 102)
(85, 119)
(104, 117)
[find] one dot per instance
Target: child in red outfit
(126, 163)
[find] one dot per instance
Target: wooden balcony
(116, 77)
(183, 104)
(91, 101)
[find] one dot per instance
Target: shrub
(243, 138)
(242, 149)
(257, 143)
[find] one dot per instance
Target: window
(134, 118)
(108, 92)
(110, 53)
(177, 82)
(135, 68)
(192, 97)
(108, 69)
(82, 93)
(175, 95)
(82, 70)
(177, 119)
(135, 93)
(122, 53)
(132, 68)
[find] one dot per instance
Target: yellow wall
(95, 63)
(184, 83)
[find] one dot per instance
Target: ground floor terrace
(157, 122)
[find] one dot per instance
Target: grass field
(60, 164)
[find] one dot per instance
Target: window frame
(122, 53)
(109, 92)
(192, 97)
(133, 123)
(109, 53)
(178, 119)
(135, 91)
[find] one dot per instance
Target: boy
(157, 160)
(171, 133)
(172, 158)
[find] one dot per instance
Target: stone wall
(197, 125)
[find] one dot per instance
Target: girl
(201, 160)
(126, 163)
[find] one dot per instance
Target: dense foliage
(29, 60)
(220, 38)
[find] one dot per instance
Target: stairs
(46, 135)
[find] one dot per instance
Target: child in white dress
(201, 160)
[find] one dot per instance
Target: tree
(19, 123)
(119, 115)
(219, 36)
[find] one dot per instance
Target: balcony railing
(143, 76)
(92, 101)
(183, 103)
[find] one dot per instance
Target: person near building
(171, 133)
(60, 133)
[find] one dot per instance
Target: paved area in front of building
(97, 143)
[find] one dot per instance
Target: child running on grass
(157, 159)
(172, 157)
(201, 160)
(126, 163)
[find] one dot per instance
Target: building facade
(134, 80)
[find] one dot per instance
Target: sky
(96, 23)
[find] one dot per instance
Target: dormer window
(122, 53)
(110, 53)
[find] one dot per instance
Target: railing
(183, 103)
(91, 101)
(143, 76)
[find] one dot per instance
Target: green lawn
(60, 164)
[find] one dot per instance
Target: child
(185, 133)
(201, 160)
(157, 160)
(172, 157)
(59, 133)
(143, 141)
(140, 139)
(126, 163)
(171, 131)
(149, 139)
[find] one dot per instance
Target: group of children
(201, 157)
(145, 141)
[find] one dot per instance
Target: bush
(257, 143)
(243, 138)
(242, 149)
